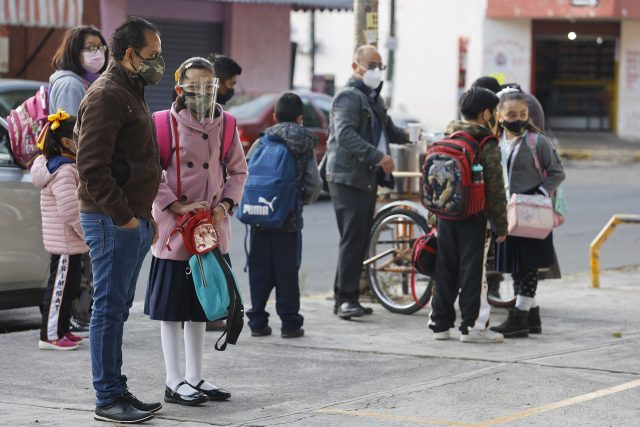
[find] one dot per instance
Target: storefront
(584, 59)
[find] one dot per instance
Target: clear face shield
(199, 96)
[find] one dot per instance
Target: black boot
(516, 325)
(535, 324)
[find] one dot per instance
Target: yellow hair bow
(58, 117)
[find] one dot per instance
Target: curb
(626, 156)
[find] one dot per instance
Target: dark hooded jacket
(496, 201)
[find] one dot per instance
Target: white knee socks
(194, 333)
(170, 337)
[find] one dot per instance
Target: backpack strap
(162, 120)
(532, 141)
(228, 132)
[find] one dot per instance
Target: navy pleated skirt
(171, 293)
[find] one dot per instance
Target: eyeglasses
(373, 66)
(93, 49)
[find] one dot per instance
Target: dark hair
(67, 57)
(289, 107)
(53, 138)
(475, 101)
(487, 82)
(225, 67)
(130, 33)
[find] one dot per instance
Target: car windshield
(253, 108)
(11, 99)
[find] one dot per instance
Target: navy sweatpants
(273, 264)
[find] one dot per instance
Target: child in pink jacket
(196, 122)
(55, 174)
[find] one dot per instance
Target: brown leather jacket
(118, 160)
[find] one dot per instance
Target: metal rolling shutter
(181, 40)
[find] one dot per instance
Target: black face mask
(223, 99)
(517, 127)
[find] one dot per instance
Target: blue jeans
(116, 257)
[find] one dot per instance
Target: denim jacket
(352, 149)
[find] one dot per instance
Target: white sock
(170, 337)
(194, 333)
(524, 303)
(534, 304)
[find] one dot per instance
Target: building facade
(581, 58)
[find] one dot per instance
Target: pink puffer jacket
(61, 231)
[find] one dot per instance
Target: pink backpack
(25, 124)
(162, 120)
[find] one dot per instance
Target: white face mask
(372, 78)
(93, 62)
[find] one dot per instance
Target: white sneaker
(442, 335)
(483, 336)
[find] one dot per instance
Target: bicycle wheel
(389, 261)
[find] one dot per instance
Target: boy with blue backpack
(283, 176)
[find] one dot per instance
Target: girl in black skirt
(522, 257)
(196, 123)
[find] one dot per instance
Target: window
(310, 117)
(6, 159)
(324, 105)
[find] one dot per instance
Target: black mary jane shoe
(193, 399)
(215, 394)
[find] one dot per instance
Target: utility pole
(366, 22)
(392, 45)
(312, 42)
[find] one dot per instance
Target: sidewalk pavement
(597, 146)
(383, 369)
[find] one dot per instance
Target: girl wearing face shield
(207, 181)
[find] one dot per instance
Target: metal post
(594, 250)
(392, 45)
(312, 49)
(366, 22)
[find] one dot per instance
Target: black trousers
(354, 212)
(65, 273)
(272, 263)
(458, 271)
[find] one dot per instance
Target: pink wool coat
(201, 179)
(61, 231)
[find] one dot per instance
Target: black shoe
(121, 411)
(139, 404)
(296, 333)
(261, 332)
(367, 310)
(516, 325)
(193, 399)
(215, 394)
(535, 324)
(347, 310)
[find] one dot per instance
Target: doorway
(575, 74)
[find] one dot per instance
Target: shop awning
(41, 13)
(303, 4)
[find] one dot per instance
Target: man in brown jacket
(462, 243)
(119, 168)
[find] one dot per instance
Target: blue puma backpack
(270, 193)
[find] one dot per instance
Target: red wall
(562, 9)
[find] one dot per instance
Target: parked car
(24, 264)
(13, 92)
(23, 260)
(257, 115)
